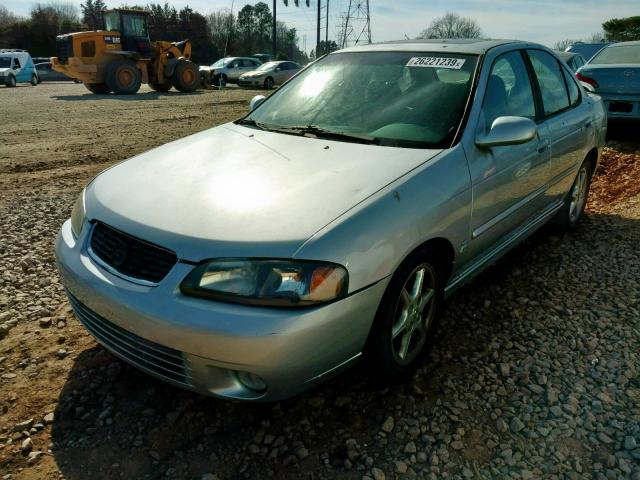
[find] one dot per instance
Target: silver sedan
(258, 258)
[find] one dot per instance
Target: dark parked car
(47, 74)
(587, 50)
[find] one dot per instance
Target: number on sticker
(436, 62)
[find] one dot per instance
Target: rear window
(618, 54)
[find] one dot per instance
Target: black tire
(387, 337)
(10, 81)
(34, 80)
(160, 87)
(268, 83)
(569, 216)
(123, 77)
(98, 88)
(186, 76)
(220, 80)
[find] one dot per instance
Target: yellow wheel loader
(121, 57)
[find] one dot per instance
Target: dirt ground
(536, 374)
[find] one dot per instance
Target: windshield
(267, 66)
(112, 21)
(405, 99)
(220, 63)
(5, 62)
(622, 54)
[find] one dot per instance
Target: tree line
(214, 35)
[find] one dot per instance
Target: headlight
(77, 216)
(276, 283)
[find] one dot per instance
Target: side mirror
(508, 131)
(255, 102)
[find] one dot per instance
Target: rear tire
(571, 213)
(34, 80)
(160, 87)
(10, 81)
(404, 325)
(186, 76)
(268, 83)
(98, 88)
(123, 77)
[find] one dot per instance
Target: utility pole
(273, 32)
(326, 30)
(318, 33)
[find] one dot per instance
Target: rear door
(508, 181)
(566, 117)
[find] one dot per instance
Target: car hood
(256, 73)
(4, 70)
(239, 191)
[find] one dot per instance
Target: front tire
(572, 211)
(123, 77)
(268, 83)
(10, 81)
(186, 76)
(405, 322)
(34, 80)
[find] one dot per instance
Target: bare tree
(222, 30)
(7, 17)
(452, 25)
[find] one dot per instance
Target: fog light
(251, 381)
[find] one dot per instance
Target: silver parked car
(258, 258)
(269, 74)
(614, 74)
(573, 60)
(228, 70)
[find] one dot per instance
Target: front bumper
(620, 106)
(290, 349)
(251, 82)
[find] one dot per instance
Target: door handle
(543, 147)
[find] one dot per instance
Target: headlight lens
(77, 216)
(277, 283)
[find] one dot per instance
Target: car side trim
(503, 247)
(485, 227)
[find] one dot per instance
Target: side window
(508, 90)
(574, 91)
(550, 79)
(16, 63)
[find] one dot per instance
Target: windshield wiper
(320, 132)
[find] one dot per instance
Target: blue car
(16, 66)
(614, 74)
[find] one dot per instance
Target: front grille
(131, 256)
(157, 359)
(64, 47)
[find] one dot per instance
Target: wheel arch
(442, 246)
(593, 156)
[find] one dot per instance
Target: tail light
(588, 80)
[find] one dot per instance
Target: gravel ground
(535, 373)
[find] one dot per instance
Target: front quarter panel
(374, 237)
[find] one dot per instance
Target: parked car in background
(614, 74)
(37, 60)
(263, 57)
(574, 60)
(16, 66)
(333, 219)
(228, 70)
(269, 74)
(587, 50)
(47, 74)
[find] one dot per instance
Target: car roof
(567, 55)
(475, 46)
(634, 43)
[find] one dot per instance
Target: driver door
(508, 182)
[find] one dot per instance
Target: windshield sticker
(436, 62)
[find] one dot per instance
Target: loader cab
(133, 28)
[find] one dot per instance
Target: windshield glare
(267, 66)
(405, 99)
(5, 62)
(622, 54)
(220, 63)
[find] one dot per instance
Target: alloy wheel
(414, 315)
(578, 195)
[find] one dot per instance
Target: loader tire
(186, 76)
(160, 87)
(97, 87)
(123, 77)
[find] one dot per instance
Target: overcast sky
(543, 21)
